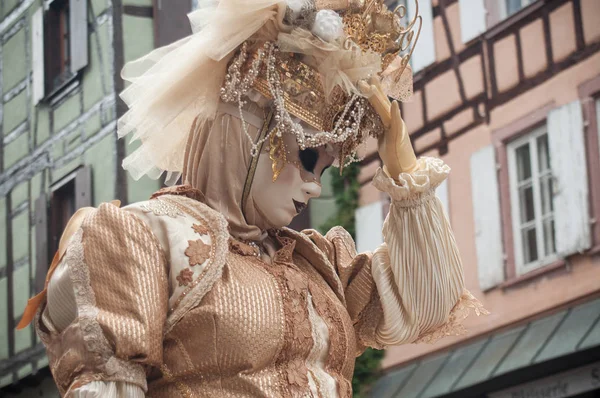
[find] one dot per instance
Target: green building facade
(59, 148)
(60, 63)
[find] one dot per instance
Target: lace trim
(219, 237)
(369, 319)
(430, 173)
(298, 340)
(340, 363)
(454, 327)
(318, 354)
(342, 343)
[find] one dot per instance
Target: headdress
(307, 56)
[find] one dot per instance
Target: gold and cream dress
(157, 299)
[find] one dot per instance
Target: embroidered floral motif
(200, 229)
(161, 208)
(185, 277)
(296, 374)
(197, 251)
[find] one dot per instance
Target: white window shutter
(472, 19)
(442, 193)
(424, 54)
(570, 196)
(369, 226)
(78, 38)
(486, 213)
(37, 55)
(598, 120)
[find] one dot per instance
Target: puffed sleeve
(106, 306)
(418, 271)
(411, 289)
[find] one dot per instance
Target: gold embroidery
(197, 251)
(161, 208)
(200, 229)
(185, 277)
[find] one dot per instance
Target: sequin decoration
(161, 208)
(185, 277)
(197, 251)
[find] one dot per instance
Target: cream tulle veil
(173, 85)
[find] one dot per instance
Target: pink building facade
(507, 93)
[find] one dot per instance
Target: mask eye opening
(309, 158)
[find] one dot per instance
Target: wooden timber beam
(491, 97)
(453, 56)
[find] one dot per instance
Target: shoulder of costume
(171, 205)
(319, 252)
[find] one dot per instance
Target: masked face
(278, 202)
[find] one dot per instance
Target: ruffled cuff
(107, 389)
(454, 326)
(430, 173)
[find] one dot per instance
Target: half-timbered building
(507, 92)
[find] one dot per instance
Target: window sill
(555, 266)
(62, 90)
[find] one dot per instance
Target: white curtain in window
(486, 213)
(569, 167)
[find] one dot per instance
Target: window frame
(497, 12)
(57, 196)
(64, 73)
(501, 138)
(502, 7)
(51, 47)
(521, 267)
(589, 95)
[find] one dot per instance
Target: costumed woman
(202, 291)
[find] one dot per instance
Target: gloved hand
(394, 145)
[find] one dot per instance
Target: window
(510, 7)
(530, 190)
(62, 207)
(59, 45)
(170, 20)
(531, 184)
(52, 213)
(597, 118)
(58, 48)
